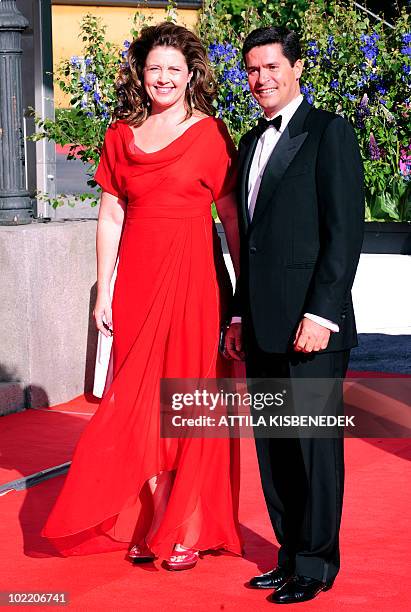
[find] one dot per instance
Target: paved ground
(382, 353)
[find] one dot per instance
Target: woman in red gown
(164, 160)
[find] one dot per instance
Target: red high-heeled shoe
(140, 553)
(182, 559)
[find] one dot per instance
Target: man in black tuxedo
(301, 211)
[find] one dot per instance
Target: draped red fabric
(167, 308)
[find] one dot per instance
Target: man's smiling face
(273, 81)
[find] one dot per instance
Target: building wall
(119, 20)
(48, 289)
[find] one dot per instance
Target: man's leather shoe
(300, 588)
(271, 580)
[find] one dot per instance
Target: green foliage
(224, 37)
(280, 11)
(88, 81)
(355, 67)
(361, 70)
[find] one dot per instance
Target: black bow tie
(264, 124)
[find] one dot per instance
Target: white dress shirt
(264, 148)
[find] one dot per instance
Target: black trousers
(302, 478)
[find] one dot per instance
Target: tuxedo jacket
(300, 251)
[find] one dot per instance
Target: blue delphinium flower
(104, 111)
(313, 52)
(85, 84)
(328, 56)
(307, 91)
(253, 107)
(331, 46)
(234, 74)
(126, 45)
(334, 84)
(96, 96)
(406, 41)
(75, 61)
(221, 52)
(230, 102)
(88, 81)
(369, 47)
(88, 61)
(350, 96)
(231, 78)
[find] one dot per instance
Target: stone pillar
(15, 205)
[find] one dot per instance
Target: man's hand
(311, 336)
(234, 342)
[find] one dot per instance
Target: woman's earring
(148, 103)
(190, 97)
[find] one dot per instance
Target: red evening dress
(166, 318)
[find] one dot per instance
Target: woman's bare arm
(109, 226)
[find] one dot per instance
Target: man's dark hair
(288, 40)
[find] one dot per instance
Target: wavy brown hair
(132, 97)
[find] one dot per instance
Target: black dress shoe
(274, 579)
(300, 588)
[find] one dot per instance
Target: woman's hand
(102, 314)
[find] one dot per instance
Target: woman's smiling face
(166, 76)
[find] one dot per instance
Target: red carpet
(34, 440)
(375, 534)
